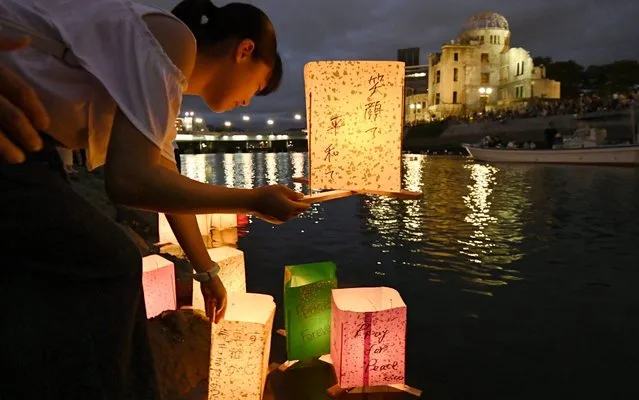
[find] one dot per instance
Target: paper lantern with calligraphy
(307, 309)
(158, 281)
(232, 273)
(368, 337)
(240, 348)
(354, 113)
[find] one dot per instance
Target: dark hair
(212, 25)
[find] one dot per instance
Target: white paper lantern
(158, 281)
(240, 348)
(206, 223)
(222, 221)
(232, 273)
(224, 237)
(166, 234)
(355, 120)
(368, 337)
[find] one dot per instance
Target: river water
(521, 281)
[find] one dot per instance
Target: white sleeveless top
(123, 66)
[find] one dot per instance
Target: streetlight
(246, 118)
(227, 124)
(270, 122)
(298, 117)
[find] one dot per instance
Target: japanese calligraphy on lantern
(354, 116)
(240, 348)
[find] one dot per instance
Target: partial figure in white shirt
(113, 86)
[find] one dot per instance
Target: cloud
(588, 31)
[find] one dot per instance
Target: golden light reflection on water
(229, 169)
(194, 167)
(467, 226)
(271, 168)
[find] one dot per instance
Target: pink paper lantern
(158, 281)
(368, 337)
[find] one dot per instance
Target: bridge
(239, 136)
(232, 141)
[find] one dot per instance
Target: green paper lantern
(307, 309)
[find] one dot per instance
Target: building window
(455, 75)
(456, 56)
(522, 67)
(454, 97)
(438, 76)
(517, 70)
(491, 39)
(481, 39)
(485, 77)
(484, 57)
(437, 98)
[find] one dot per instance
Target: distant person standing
(176, 153)
(550, 134)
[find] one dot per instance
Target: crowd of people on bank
(584, 104)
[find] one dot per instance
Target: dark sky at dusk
(588, 31)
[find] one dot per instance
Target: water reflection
(469, 230)
(194, 166)
(271, 168)
(467, 226)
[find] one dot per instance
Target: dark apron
(73, 317)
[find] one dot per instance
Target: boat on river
(585, 146)
(621, 155)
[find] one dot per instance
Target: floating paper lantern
(166, 234)
(355, 121)
(242, 220)
(368, 337)
(206, 223)
(158, 281)
(240, 348)
(307, 309)
(222, 221)
(232, 273)
(226, 237)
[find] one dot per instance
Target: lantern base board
(338, 194)
(328, 195)
(335, 391)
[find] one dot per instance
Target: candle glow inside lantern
(368, 337)
(206, 223)
(222, 221)
(232, 273)
(355, 124)
(158, 282)
(166, 234)
(240, 348)
(307, 309)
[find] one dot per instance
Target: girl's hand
(277, 203)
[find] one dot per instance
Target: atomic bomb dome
(486, 20)
(481, 72)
